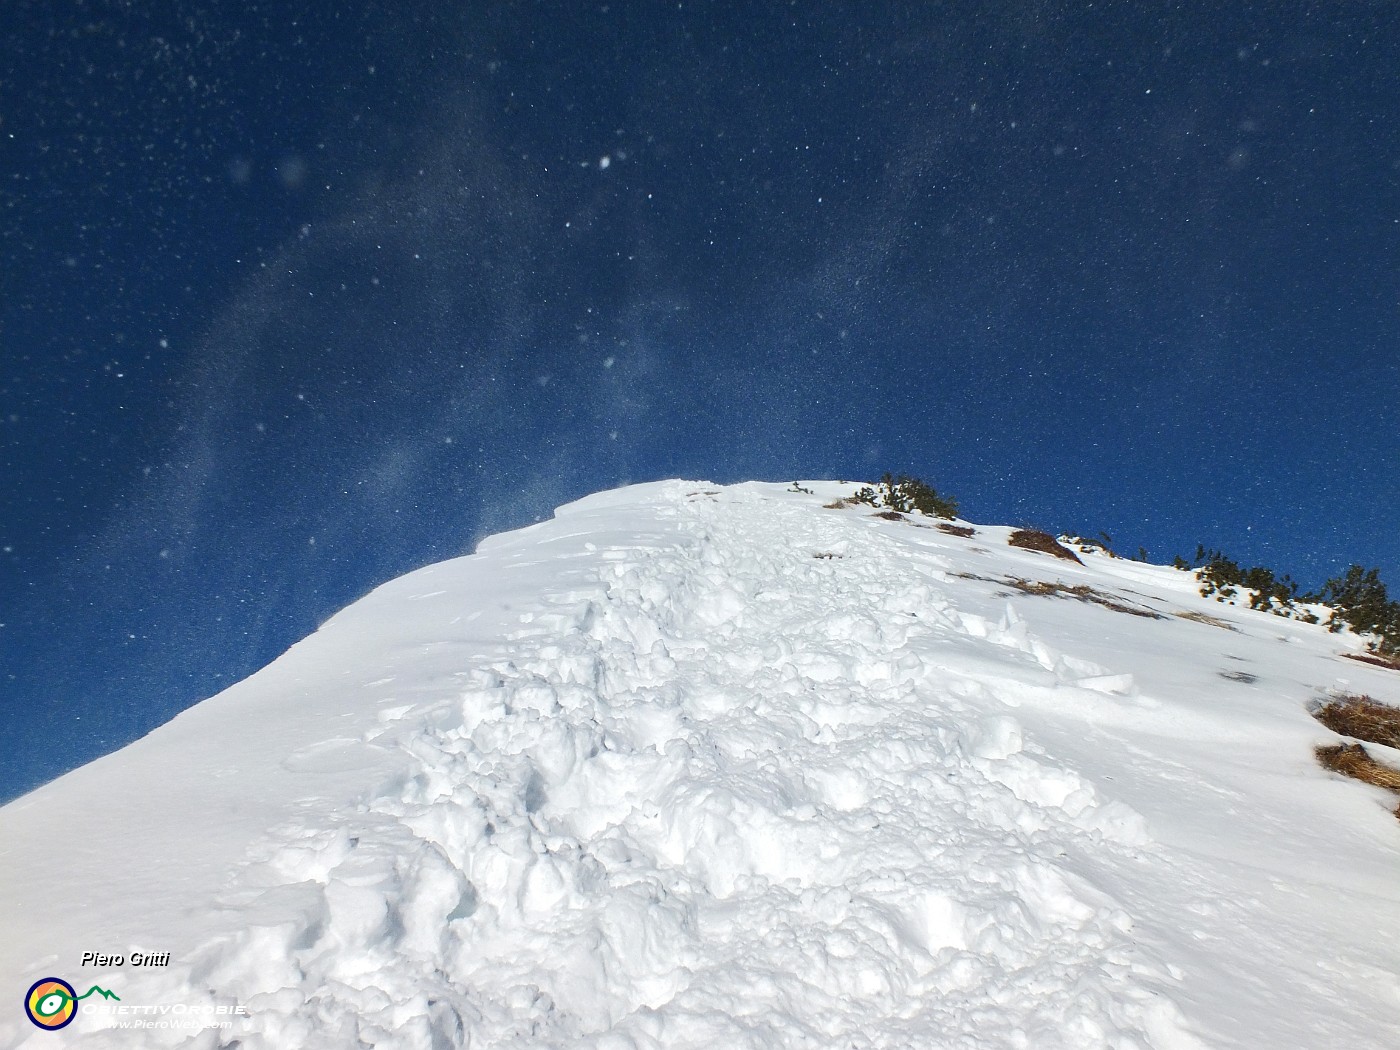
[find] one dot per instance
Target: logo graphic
(52, 1003)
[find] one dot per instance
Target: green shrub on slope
(905, 495)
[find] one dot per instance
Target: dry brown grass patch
(956, 530)
(1043, 588)
(890, 515)
(1353, 760)
(1362, 718)
(1200, 617)
(1035, 540)
(1080, 592)
(1375, 660)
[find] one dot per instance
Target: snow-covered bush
(905, 495)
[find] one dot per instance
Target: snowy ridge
(702, 767)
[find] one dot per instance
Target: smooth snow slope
(714, 767)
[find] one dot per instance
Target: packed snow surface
(703, 767)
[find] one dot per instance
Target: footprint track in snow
(700, 777)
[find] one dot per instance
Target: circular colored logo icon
(51, 1003)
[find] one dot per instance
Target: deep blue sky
(295, 297)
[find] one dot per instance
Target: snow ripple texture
(726, 790)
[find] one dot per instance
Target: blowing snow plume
(752, 767)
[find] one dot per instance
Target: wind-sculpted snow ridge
(740, 770)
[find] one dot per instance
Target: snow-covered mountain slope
(712, 767)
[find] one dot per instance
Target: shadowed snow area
(698, 767)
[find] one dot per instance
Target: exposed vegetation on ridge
(1223, 577)
(1357, 599)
